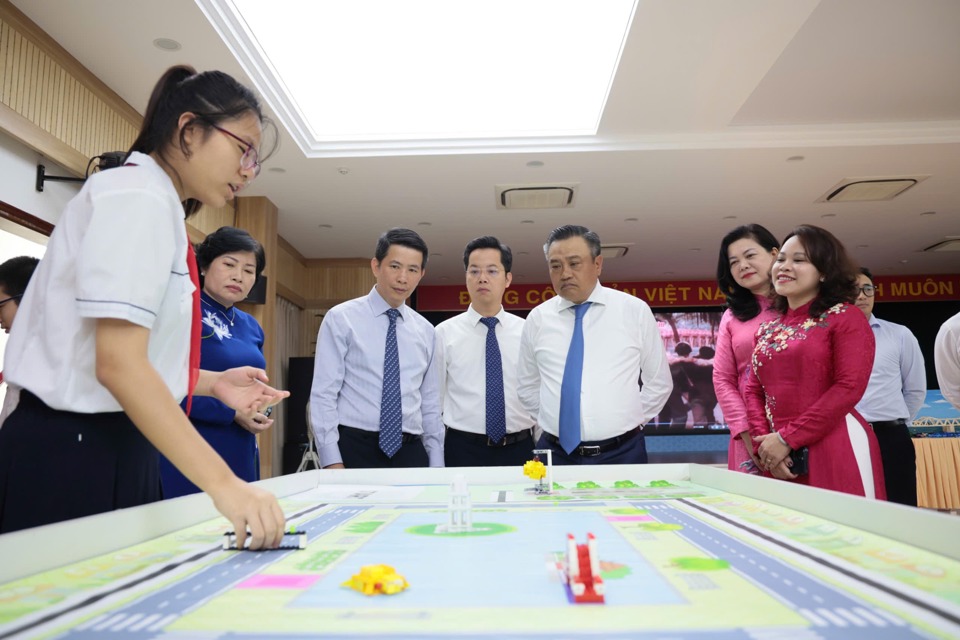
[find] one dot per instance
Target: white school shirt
(621, 344)
(462, 356)
(119, 251)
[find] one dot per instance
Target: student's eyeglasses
(491, 273)
(867, 290)
(6, 300)
(250, 160)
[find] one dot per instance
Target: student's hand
(338, 465)
(247, 506)
(253, 421)
(245, 389)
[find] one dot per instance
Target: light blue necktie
(391, 410)
(496, 411)
(570, 388)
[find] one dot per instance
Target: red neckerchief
(194, 326)
(195, 320)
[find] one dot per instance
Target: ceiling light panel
(383, 70)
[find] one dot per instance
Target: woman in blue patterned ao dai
(230, 262)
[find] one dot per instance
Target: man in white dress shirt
(946, 357)
(486, 425)
(581, 355)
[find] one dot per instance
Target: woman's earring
(822, 278)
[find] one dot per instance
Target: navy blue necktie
(496, 411)
(391, 410)
(570, 388)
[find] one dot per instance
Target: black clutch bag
(799, 457)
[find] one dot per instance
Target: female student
(103, 336)
(811, 366)
(230, 262)
(743, 274)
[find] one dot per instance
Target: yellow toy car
(376, 579)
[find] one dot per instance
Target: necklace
(229, 319)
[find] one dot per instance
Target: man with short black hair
(15, 275)
(486, 425)
(581, 355)
(375, 400)
(894, 395)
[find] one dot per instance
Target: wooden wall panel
(208, 219)
(52, 103)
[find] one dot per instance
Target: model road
(832, 613)
(145, 617)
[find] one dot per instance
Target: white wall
(18, 180)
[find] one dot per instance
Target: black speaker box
(299, 382)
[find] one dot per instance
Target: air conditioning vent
(870, 189)
(611, 251)
(950, 243)
(537, 196)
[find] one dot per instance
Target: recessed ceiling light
(795, 159)
(694, 248)
(904, 261)
(325, 226)
(526, 222)
(729, 217)
(863, 246)
(424, 224)
(277, 170)
(532, 61)
(166, 44)
(524, 253)
(929, 213)
(829, 215)
(343, 170)
(630, 219)
(436, 255)
(534, 163)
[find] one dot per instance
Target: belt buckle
(503, 442)
(594, 451)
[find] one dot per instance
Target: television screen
(690, 338)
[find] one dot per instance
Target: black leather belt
(375, 435)
(484, 439)
(888, 423)
(593, 449)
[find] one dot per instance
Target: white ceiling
(711, 99)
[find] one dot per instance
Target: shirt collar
(210, 300)
(379, 306)
(597, 296)
(474, 316)
(873, 320)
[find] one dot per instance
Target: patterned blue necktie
(391, 410)
(570, 388)
(496, 411)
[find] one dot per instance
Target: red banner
(683, 293)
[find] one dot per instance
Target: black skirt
(58, 465)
